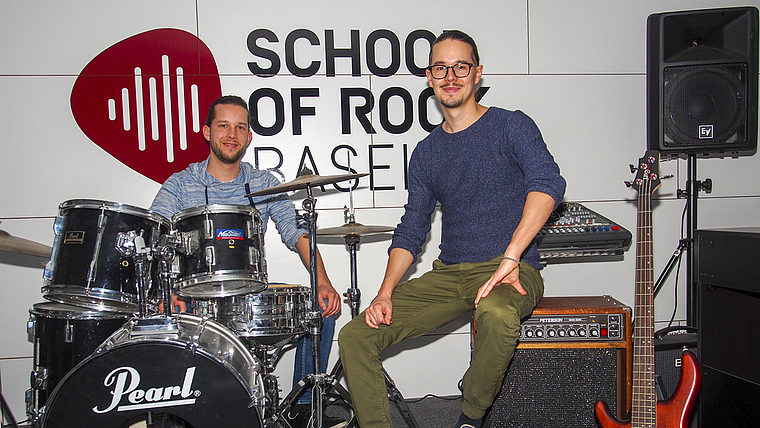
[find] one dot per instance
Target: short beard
(452, 104)
(224, 158)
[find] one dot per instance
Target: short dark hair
(233, 100)
(457, 35)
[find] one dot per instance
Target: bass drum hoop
(73, 402)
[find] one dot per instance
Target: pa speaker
(702, 74)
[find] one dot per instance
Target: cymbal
(354, 229)
(23, 246)
(303, 181)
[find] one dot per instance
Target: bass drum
(197, 372)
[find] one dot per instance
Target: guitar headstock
(647, 178)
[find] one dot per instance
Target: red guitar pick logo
(144, 100)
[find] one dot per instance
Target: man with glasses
(497, 184)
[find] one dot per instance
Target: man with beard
(223, 179)
(497, 184)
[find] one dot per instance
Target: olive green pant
(426, 303)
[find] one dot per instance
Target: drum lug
(39, 378)
(210, 260)
(58, 227)
(69, 333)
(254, 257)
(208, 226)
(189, 242)
(30, 326)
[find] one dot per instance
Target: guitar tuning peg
(628, 183)
(633, 168)
(667, 176)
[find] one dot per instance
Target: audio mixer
(575, 233)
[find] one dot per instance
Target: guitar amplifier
(554, 382)
(669, 344)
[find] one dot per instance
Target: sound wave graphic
(154, 106)
(141, 99)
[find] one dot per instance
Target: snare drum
(220, 251)
(63, 336)
(91, 264)
(275, 314)
(199, 372)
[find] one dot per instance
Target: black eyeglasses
(460, 69)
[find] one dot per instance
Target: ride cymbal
(23, 246)
(354, 229)
(304, 181)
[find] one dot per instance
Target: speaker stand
(691, 194)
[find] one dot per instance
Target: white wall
(576, 67)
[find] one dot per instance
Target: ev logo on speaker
(705, 132)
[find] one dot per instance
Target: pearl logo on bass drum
(140, 100)
(125, 381)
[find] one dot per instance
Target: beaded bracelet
(510, 258)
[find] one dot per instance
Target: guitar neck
(644, 398)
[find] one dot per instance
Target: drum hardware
(269, 354)
(6, 415)
(352, 232)
(319, 382)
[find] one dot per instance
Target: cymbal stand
(353, 295)
(319, 382)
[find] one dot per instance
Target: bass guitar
(646, 411)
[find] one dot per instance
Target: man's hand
(508, 272)
(325, 291)
(380, 311)
(176, 302)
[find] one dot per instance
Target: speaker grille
(556, 388)
(704, 105)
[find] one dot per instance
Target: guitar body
(674, 412)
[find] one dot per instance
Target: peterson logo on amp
(143, 99)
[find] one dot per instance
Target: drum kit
(107, 353)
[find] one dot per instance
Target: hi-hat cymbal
(354, 229)
(23, 246)
(303, 181)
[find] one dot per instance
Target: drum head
(118, 385)
(219, 284)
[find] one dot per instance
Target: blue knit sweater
(481, 177)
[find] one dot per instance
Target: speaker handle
(667, 330)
